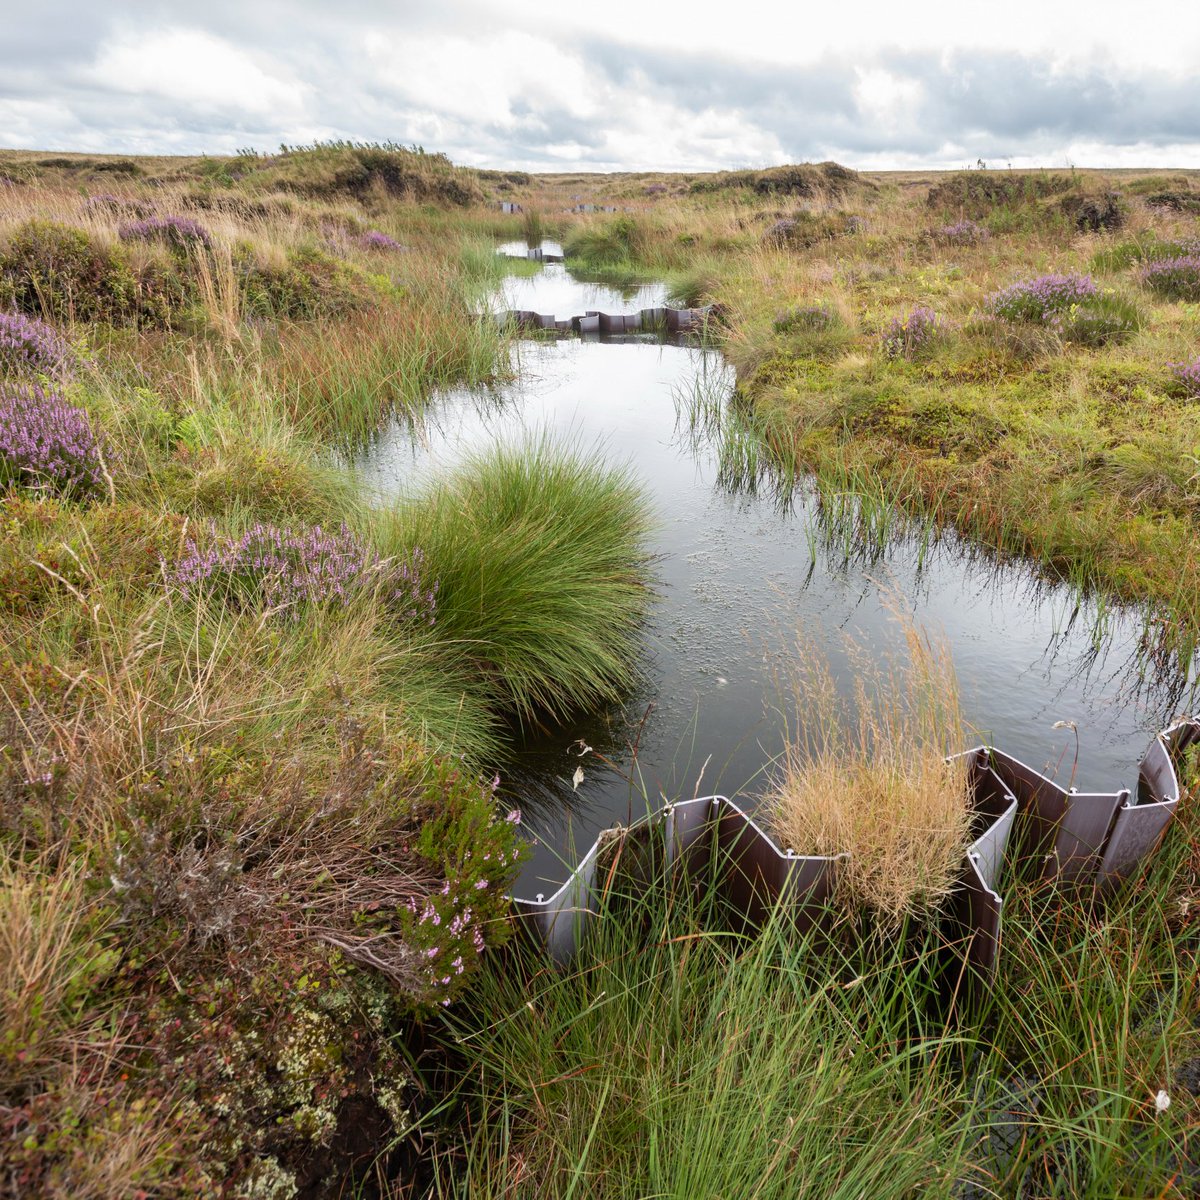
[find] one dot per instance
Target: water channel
(738, 573)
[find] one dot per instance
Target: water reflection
(738, 572)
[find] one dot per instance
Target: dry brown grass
(50, 962)
(868, 775)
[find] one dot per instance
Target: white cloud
(195, 68)
(481, 79)
(888, 100)
(614, 86)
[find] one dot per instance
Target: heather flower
(46, 442)
(908, 337)
(1175, 278)
(30, 346)
(1188, 374)
(179, 232)
(285, 569)
(374, 240)
(962, 233)
(1043, 299)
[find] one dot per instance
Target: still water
(738, 575)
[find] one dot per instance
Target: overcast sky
(609, 85)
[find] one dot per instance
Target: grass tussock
(539, 555)
(867, 775)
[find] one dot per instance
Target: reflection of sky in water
(737, 577)
(554, 292)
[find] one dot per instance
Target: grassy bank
(248, 718)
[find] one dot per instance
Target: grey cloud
(997, 98)
(991, 104)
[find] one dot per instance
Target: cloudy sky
(610, 85)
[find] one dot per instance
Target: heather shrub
(912, 335)
(262, 940)
(309, 284)
(1043, 298)
(1070, 306)
(286, 569)
(1188, 375)
(56, 271)
(802, 230)
(118, 546)
(961, 233)
(29, 346)
(46, 443)
(373, 239)
(180, 233)
(1173, 278)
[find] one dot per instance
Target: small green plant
(56, 271)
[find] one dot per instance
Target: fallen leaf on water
(577, 778)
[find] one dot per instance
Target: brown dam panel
(671, 321)
(1079, 837)
(754, 875)
(1063, 830)
(1142, 821)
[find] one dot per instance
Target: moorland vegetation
(253, 931)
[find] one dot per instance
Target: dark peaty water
(737, 575)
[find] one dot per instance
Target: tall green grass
(680, 1061)
(539, 552)
(675, 1059)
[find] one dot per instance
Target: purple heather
(907, 336)
(30, 346)
(175, 231)
(46, 442)
(286, 568)
(1042, 298)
